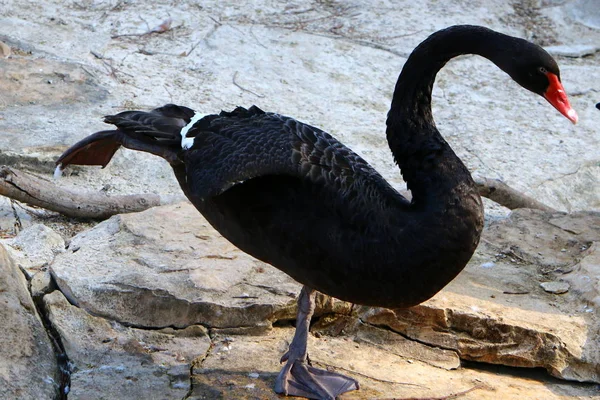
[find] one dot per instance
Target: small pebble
(4, 50)
(253, 375)
(489, 264)
(555, 287)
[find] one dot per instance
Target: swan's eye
(543, 70)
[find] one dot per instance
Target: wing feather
(245, 144)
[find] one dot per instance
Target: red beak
(555, 94)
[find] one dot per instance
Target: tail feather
(96, 149)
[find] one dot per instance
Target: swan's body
(293, 196)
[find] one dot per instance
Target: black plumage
(293, 196)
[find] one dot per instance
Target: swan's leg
(297, 378)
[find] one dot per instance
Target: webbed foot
(299, 379)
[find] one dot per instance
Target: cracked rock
(109, 360)
(386, 340)
(169, 263)
(484, 319)
(247, 367)
(28, 368)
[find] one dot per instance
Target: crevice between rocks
(212, 333)
(407, 337)
(197, 363)
(62, 359)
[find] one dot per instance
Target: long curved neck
(428, 165)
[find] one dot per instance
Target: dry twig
(506, 196)
(34, 191)
(26, 188)
(165, 26)
(499, 192)
(243, 88)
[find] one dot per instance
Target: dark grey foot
(299, 379)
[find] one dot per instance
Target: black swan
(291, 195)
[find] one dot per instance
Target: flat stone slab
(245, 367)
(574, 51)
(555, 287)
(168, 267)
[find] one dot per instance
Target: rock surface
(555, 287)
(28, 368)
(246, 367)
(585, 279)
(573, 51)
(109, 360)
(500, 314)
(586, 12)
(35, 247)
(164, 261)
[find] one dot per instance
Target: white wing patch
(187, 142)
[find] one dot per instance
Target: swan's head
(534, 69)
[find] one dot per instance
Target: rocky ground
(157, 305)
